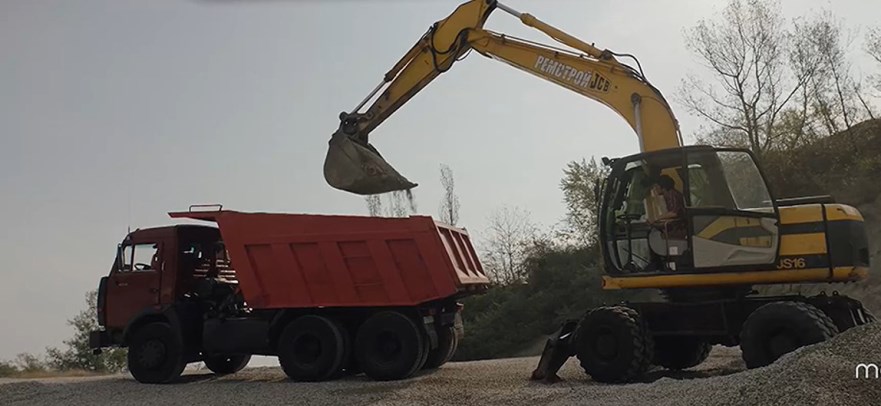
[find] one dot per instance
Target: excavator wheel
(778, 328)
(679, 353)
(613, 344)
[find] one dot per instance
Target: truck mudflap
(558, 349)
(99, 339)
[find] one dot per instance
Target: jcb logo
(791, 263)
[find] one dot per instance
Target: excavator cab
(730, 217)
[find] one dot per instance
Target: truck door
(133, 285)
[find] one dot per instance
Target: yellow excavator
(729, 235)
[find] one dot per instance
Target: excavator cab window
(729, 215)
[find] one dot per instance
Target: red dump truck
(328, 295)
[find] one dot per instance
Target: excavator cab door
(730, 222)
(733, 220)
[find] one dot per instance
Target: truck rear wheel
(613, 344)
(778, 328)
(389, 346)
(311, 348)
(676, 353)
(155, 354)
(446, 343)
(227, 364)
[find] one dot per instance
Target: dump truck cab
(155, 268)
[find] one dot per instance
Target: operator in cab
(673, 221)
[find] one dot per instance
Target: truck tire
(227, 364)
(778, 328)
(389, 346)
(155, 354)
(679, 353)
(349, 366)
(311, 348)
(613, 345)
(446, 341)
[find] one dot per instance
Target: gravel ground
(819, 374)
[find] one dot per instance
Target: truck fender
(166, 314)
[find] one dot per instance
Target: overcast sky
(115, 112)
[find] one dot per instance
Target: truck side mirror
(120, 258)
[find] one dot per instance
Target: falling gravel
(819, 374)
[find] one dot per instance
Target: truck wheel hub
(388, 346)
(308, 349)
(152, 353)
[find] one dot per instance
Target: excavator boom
(354, 165)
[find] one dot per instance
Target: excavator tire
(613, 344)
(679, 353)
(778, 328)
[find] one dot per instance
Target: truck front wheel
(227, 364)
(311, 348)
(389, 346)
(155, 354)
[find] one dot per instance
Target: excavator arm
(353, 164)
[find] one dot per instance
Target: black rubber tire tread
(173, 364)
(807, 324)
(631, 334)
(227, 364)
(410, 357)
(678, 353)
(329, 360)
(349, 366)
(446, 340)
(453, 348)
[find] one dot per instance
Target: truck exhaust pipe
(357, 167)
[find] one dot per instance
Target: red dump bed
(304, 260)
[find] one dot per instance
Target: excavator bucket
(558, 349)
(359, 168)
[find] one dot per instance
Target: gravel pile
(819, 374)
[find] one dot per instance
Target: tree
(510, 237)
(873, 47)
(746, 51)
(29, 363)
(7, 369)
(77, 355)
(580, 178)
(449, 207)
(831, 96)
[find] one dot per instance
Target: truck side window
(146, 257)
(126, 260)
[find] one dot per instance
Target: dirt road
(820, 374)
